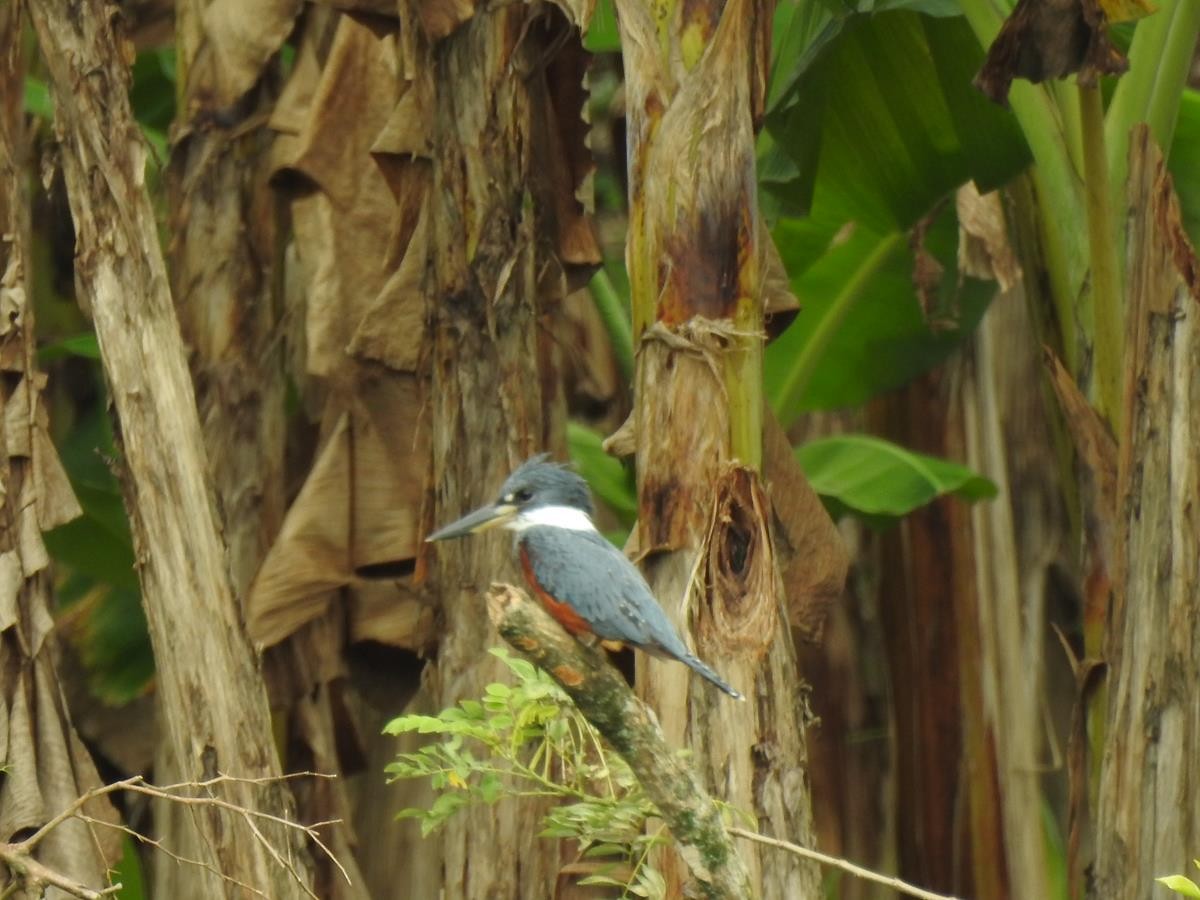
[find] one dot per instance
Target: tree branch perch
(601, 694)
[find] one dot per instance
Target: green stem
(744, 385)
(616, 322)
(1104, 302)
(1105, 293)
(1070, 109)
(1159, 60)
(1049, 131)
(799, 375)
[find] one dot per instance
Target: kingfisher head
(538, 492)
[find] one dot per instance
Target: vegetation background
(286, 283)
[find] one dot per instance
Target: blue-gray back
(583, 569)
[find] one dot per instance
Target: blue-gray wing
(604, 588)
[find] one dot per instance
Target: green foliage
(1181, 884)
(871, 476)
(152, 95)
(602, 34)
(128, 872)
(1057, 880)
(1184, 163)
(873, 123)
(38, 102)
(98, 584)
(613, 308)
(528, 740)
(862, 329)
(608, 477)
(878, 120)
(82, 345)
(854, 474)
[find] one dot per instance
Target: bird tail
(706, 671)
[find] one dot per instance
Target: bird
(581, 579)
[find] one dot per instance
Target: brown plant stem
(606, 700)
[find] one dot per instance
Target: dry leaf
(1096, 449)
(311, 555)
(358, 513)
(562, 170)
(983, 248)
(1043, 39)
(365, 215)
(811, 555)
(1126, 10)
(392, 324)
(439, 18)
(392, 613)
(780, 305)
(927, 274)
(241, 37)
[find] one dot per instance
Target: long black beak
(473, 523)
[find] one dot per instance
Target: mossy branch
(601, 694)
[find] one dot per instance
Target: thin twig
(838, 863)
(183, 860)
(18, 857)
(28, 871)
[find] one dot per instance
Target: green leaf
(495, 689)
(604, 849)
(1184, 163)
(84, 345)
(115, 644)
(873, 123)
(861, 329)
(799, 32)
(886, 108)
(490, 788)
(128, 872)
(601, 881)
(1181, 885)
(650, 883)
(612, 305)
(38, 101)
(602, 34)
(1055, 852)
(873, 476)
(607, 477)
(417, 723)
(152, 94)
(88, 548)
(472, 708)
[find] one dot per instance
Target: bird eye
(523, 495)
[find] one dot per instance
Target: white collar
(555, 516)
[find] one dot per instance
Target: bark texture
(1148, 821)
(213, 701)
(1009, 615)
(44, 766)
(496, 263)
(694, 76)
(931, 588)
(965, 630)
(224, 265)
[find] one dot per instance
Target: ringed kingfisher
(581, 579)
